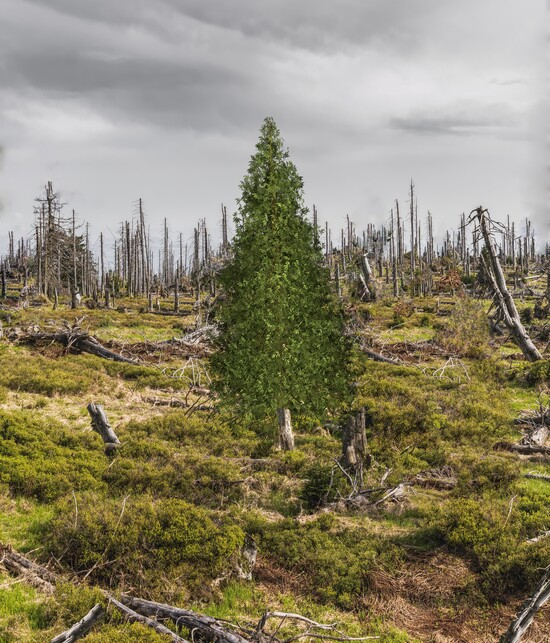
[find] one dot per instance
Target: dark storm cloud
(450, 121)
(307, 24)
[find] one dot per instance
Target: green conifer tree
(282, 347)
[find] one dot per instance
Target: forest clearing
(173, 481)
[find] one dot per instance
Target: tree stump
(101, 425)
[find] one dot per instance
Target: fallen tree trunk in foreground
(134, 617)
(80, 629)
(203, 625)
(523, 620)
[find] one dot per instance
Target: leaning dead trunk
(523, 620)
(367, 277)
(504, 300)
(102, 426)
(286, 436)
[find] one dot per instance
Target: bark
(536, 437)
(35, 574)
(286, 436)
(354, 443)
(101, 425)
(367, 276)
(523, 620)
(80, 629)
(524, 449)
(504, 299)
(206, 626)
(134, 617)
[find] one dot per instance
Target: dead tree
(506, 306)
(529, 609)
(101, 425)
(80, 629)
(355, 454)
(367, 277)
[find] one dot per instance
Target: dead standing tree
(506, 307)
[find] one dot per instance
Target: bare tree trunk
(523, 620)
(80, 629)
(367, 275)
(100, 423)
(354, 443)
(505, 301)
(286, 436)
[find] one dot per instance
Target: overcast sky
(163, 99)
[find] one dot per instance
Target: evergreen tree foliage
(282, 344)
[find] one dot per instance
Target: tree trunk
(523, 620)
(354, 442)
(80, 629)
(505, 301)
(100, 423)
(286, 436)
(367, 275)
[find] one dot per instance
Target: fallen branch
(542, 536)
(377, 357)
(524, 449)
(34, 574)
(134, 617)
(523, 620)
(80, 629)
(204, 625)
(537, 476)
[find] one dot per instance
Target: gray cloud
(167, 96)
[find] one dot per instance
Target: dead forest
(136, 507)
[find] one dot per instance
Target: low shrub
(164, 546)
(41, 459)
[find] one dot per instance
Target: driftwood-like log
(529, 609)
(134, 617)
(80, 629)
(206, 626)
(101, 425)
(34, 574)
(523, 449)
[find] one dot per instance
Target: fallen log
(35, 574)
(523, 620)
(134, 617)
(377, 357)
(537, 476)
(524, 449)
(73, 339)
(80, 629)
(206, 626)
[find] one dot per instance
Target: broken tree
(506, 307)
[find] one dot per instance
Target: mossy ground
(166, 515)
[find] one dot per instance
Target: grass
(61, 495)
